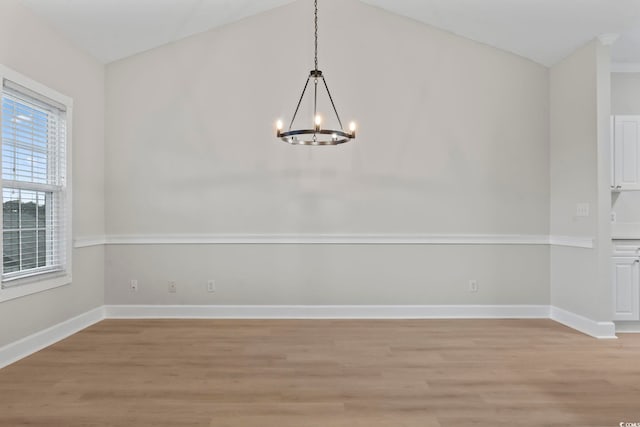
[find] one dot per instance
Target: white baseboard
(17, 350)
(326, 312)
(601, 330)
(33, 343)
(628, 327)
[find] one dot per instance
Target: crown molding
(608, 39)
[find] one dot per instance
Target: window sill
(34, 287)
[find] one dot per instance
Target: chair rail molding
(335, 239)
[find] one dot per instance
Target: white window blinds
(34, 156)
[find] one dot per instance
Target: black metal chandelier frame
(317, 135)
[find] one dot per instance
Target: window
(36, 251)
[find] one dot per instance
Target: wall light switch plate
(582, 210)
(133, 285)
(211, 286)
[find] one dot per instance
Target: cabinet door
(627, 152)
(626, 287)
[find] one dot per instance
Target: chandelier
(317, 134)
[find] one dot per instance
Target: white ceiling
(542, 30)
(545, 31)
(114, 29)
(627, 48)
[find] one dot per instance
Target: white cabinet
(625, 279)
(626, 153)
(626, 287)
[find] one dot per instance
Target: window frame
(39, 282)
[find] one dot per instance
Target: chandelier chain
(316, 33)
(318, 135)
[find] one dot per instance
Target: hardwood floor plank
(328, 373)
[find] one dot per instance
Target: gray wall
(625, 93)
(328, 274)
(453, 139)
(580, 110)
(30, 47)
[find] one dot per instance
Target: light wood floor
(324, 374)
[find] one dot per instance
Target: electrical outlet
(614, 217)
(582, 210)
(173, 288)
(211, 286)
(133, 285)
(473, 286)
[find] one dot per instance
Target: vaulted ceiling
(544, 31)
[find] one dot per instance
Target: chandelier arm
(299, 102)
(335, 110)
(315, 98)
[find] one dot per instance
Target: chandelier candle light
(317, 135)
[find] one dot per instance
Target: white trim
(601, 330)
(628, 327)
(29, 285)
(17, 350)
(329, 239)
(335, 239)
(625, 67)
(625, 231)
(22, 80)
(327, 311)
(572, 241)
(608, 39)
(33, 285)
(87, 242)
